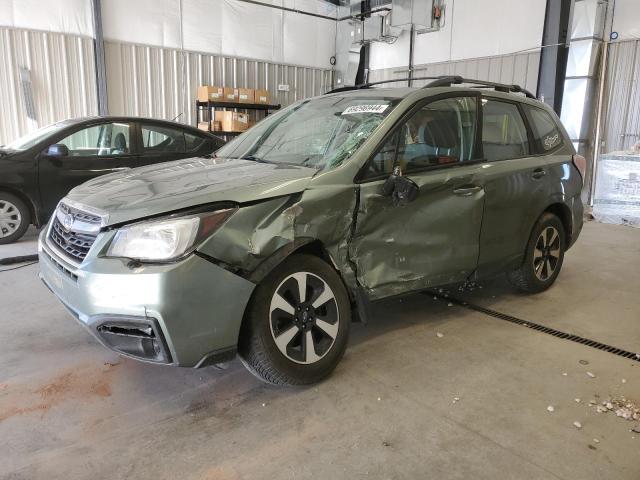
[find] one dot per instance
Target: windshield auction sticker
(365, 109)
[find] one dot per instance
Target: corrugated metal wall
(147, 81)
(521, 69)
(621, 120)
(141, 80)
(62, 72)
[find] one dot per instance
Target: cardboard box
(203, 126)
(262, 97)
(232, 121)
(216, 126)
(208, 93)
(246, 95)
(230, 95)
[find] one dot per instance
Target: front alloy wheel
(304, 318)
(297, 323)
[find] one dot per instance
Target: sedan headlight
(166, 239)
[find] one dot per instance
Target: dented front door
(433, 240)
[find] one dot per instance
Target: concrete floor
(71, 409)
(27, 245)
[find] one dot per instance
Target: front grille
(74, 245)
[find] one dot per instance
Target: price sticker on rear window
(365, 109)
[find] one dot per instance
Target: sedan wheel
(10, 219)
(14, 218)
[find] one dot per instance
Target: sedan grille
(75, 245)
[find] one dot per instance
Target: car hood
(171, 186)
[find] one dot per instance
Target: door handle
(538, 173)
(467, 190)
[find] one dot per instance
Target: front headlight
(167, 239)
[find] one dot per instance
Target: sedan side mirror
(402, 190)
(58, 150)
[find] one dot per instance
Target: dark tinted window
(193, 142)
(504, 134)
(440, 133)
(156, 139)
(545, 129)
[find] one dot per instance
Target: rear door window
(157, 139)
(504, 134)
(545, 129)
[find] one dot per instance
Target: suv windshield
(319, 133)
(33, 138)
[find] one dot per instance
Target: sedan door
(433, 240)
(88, 152)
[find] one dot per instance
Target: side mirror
(58, 150)
(402, 190)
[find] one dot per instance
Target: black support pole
(363, 66)
(412, 39)
(362, 75)
(98, 48)
(553, 58)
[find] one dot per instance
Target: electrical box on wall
(405, 13)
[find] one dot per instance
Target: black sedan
(37, 170)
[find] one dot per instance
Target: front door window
(107, 139)
(440, 133)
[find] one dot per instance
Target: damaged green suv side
(270, 248)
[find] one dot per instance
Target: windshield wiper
(253, 158)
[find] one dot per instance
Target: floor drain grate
(540, 328)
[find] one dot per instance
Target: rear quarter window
(546, 133)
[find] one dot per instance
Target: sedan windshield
(320, 133)
(35, 137)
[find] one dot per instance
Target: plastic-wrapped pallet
(617, 194)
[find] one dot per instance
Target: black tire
(257, 346)
(538, 274)
(19, 216)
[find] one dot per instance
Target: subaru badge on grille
(67, 221)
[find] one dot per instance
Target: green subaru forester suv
(270, 248)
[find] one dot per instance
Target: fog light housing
(141, 339)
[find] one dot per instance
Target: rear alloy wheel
(546, 253)
(14, 218)
(543, 257)
(298, 323)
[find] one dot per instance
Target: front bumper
(186, 313)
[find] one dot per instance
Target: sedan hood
(166, 187)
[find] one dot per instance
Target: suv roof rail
(371, 84)
(444, 81)
(498, 87)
